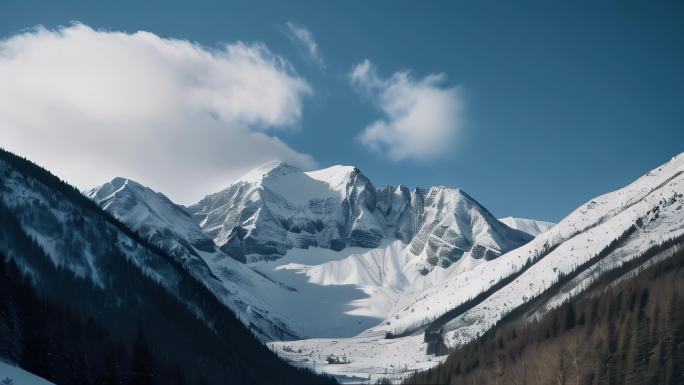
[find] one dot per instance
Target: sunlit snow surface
(530, 226)
(341, 294)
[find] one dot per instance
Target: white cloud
(304, 39)
(90, 105)
(422, 117)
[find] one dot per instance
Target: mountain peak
(335, 176)
(107, 189)
(271, 168)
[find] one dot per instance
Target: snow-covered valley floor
(343, 296)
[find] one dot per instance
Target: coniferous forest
(625, 331)
(89, 342)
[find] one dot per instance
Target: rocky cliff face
(453, 224)
(277, 207)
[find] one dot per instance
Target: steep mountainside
(168, 226)
(277, 207)
(530, 226)
(628, 328)
(623, 227)
(96, 272)
(645, 212)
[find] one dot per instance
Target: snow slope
(341, 294)
(19, 376)
(277, 207)
(530, 226)
(598, 237)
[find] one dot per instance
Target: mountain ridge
(531, 226)
(168, 226)
(276, 207)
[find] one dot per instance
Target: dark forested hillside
(128, 328)
(629, 331)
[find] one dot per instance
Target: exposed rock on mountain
(277, 207)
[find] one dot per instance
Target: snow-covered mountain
(370, 271)
(618, 233)
(530, 226)
(155, 218)
(280, 204)
(168, 226)
(277, 207)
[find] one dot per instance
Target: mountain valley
(343, 278)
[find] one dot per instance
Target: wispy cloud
(304, 40)
(185, 119)
(422, 117)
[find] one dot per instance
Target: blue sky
(559, 101)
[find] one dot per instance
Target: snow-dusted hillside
(343, 293)
(530, 226)
(171, 228)
(81, 239)
(599, 237)
(278, 207)
(153, 216)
